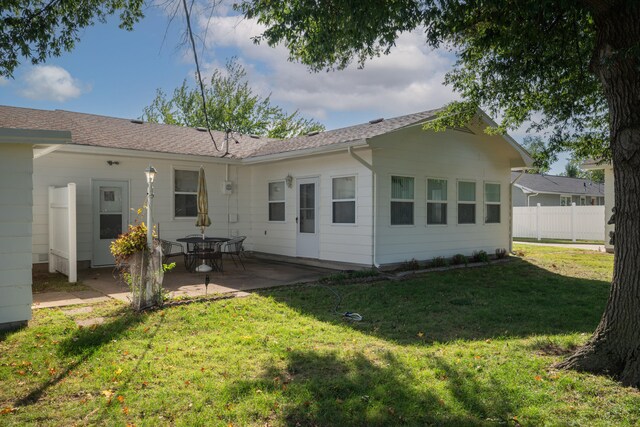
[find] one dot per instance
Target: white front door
(308, 233)
(110, 218)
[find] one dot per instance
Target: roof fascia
(325, 149)
(90, 149)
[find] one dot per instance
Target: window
(466, 202)
(492, 203)
(565, 200)
(344, 200)
(276, 201)
(401, 200)
(437, 201)
(185, 193)
(583, 201)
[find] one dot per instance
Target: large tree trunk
(614, 348)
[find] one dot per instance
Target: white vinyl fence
(559, 222)
(62, 231)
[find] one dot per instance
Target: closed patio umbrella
(203, 220)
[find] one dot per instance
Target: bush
(501, 253)
(480, 256)
(459, 259)
(438, 261)
(412, 264)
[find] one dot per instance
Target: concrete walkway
(259, 274)
(584, 246)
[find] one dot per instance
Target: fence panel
(62, 231)
(559, 222)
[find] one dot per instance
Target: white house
(16, 166)
(377, 193)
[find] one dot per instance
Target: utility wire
(195, 56)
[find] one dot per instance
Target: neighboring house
(377, 193)
(551, 190)
(609, 197)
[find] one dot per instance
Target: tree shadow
(514, 299)
(81, 345)
(325, 390)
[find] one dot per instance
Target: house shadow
(515, 299)
(81, 345)
(323, 389)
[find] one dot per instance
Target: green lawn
(463, 347)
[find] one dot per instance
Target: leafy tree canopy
(37, 29)
(231, 104)
(523, 61)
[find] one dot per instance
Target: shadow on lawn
(322, 389)
(513, 299)
(83, 343)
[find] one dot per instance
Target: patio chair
(172, 249)
(234, 249)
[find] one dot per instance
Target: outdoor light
(150, 172)
(289, 180)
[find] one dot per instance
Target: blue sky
(116, 73)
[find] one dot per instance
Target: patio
(259, 274)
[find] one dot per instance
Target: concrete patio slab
(257, 274)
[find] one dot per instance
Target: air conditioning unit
(227, 187)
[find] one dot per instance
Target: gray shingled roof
(110, 132)
(102, 131)
(558, 184)
(344, 135)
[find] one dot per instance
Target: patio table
(207, 249)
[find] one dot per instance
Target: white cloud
(51, 83)
(407, 80)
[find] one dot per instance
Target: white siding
(60, 168)
(338, 242)
(450, 155)
(15, 232)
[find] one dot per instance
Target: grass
(54, 282)
(463, 347)
(562, 241)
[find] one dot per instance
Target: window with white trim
(402, 195)
(565, 200)
(583, 201)
(436, 201)
(276, 201)
(466, 202)
(491, 203)
(343, 200)
(185, 193)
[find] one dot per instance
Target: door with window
(110, 218)
(307, 235)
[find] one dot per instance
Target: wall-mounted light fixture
(113, 162)
(289, 180)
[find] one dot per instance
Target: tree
(569, 66)
(572, 170)
(231, 104)
(37, 30)
(542, 158)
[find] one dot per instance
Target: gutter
(374, 177)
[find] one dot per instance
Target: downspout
(529, 198)
(364, 163)
(511, 210)
(226, 179)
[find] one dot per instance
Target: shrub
(501, 253)
(412, 264)
(438, 261)
(459, 259)
(480, 256)
(134, 240)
